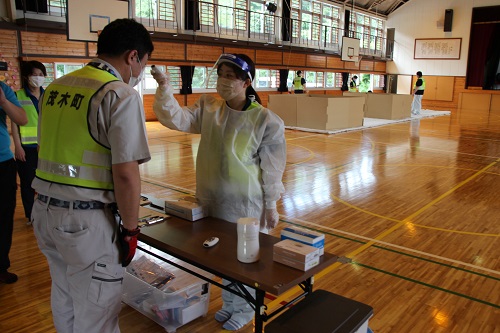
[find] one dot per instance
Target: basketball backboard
(87, 18)
(350, 49)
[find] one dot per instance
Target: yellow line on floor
(365, 246)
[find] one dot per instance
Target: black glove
(128, 244)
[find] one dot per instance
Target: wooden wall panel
(366, 65)
(248, 52)
(315, 61)
(268, 57)
(92, 49)
(148, 101)
(351, 65)
(333, 92)
(203, 53)
(334, 63)
(317, 92)
(192, 98)
(294, 59)
(9, 54)
(51, 44)
(170, 51)
(379, 66)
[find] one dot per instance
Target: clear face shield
(211, 79)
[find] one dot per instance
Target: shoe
(222, 315)
(8, 278)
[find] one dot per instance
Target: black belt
(77, 204)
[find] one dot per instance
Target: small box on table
(305, 236)
(295, 254)
(187, 208)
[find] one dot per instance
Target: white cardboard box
(303, 266)
(305, 236)
(187, 208)
(296, 251)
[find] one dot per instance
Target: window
(232, 14)
(314, 79)
(316, 21)
(261, 21)
(329, 80)
(338, 80)
(49, 67)
(66, 68)
(266, 78)
(200, 75)
(370, 31)
(148, 83)
(378, 81)
(161, 11)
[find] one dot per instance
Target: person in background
(9, 107)
(418, 93)
(92, 138)
(241, 157)
(299, 84)
(33, 75)
(353, 86)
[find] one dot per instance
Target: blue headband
(231, 58)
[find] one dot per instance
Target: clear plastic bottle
(248, 239)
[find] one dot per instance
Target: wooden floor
(414, 207)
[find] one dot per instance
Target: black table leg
(259, 310)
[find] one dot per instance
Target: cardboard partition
(388, 106)
(328, 112)
(285, 106)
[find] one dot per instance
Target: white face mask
(36, 81)
(135, 80)
(227, 88)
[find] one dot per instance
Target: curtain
(187, 79)
(480, 41)
(345, 84)
(286, 22)
(37, 6)
(283, 78)
(191, 15)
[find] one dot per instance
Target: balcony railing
(236, 24)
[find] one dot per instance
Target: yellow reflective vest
(422, 87)
(28, 132)
(353, 87)
(297, 83)
(68, 154)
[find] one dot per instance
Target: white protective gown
(241, 157)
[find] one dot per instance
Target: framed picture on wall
(438, 48)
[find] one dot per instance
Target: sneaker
(8, 278)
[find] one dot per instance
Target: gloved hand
(272, 218)
(163, 79)
(128, 244)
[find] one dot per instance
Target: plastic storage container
(166, 294)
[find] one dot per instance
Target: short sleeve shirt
(5, 152)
